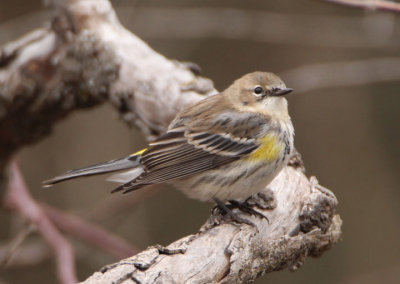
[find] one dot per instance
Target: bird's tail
(130, 162)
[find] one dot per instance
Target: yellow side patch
(269, 150)
(138, 153)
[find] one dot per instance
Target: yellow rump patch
(138, 153)
(269, 149)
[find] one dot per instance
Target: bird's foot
(246, 207)
(228, 214)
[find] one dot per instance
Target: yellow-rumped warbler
(228, 146)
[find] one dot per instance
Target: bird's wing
(182, 152)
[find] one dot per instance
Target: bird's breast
(269, 150)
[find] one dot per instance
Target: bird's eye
(258, 90)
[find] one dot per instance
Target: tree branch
(19, 200)
(84, 58)
(380, 5)
(225, 253)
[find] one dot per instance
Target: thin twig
(19, 200)
(14, 245)
(30, 253)
(381, 5)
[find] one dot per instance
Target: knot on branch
(87, 66)
(319, 210)
(47, 77)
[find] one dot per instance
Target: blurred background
(347, 133)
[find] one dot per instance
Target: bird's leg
(246, 208)
(234, 217)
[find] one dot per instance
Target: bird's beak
(282, 92)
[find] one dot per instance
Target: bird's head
(259, 92)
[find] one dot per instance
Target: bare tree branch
(19, 200)
(225, 253)
(8, 252)
(85, 58)
(380, 5)
(28, 254)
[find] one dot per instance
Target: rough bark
(84, 58)
(301, 223)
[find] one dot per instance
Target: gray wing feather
(171, 158)
(107, 167)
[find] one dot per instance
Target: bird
(228, 146)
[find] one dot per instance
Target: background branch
(19, 200)
(381, 5)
